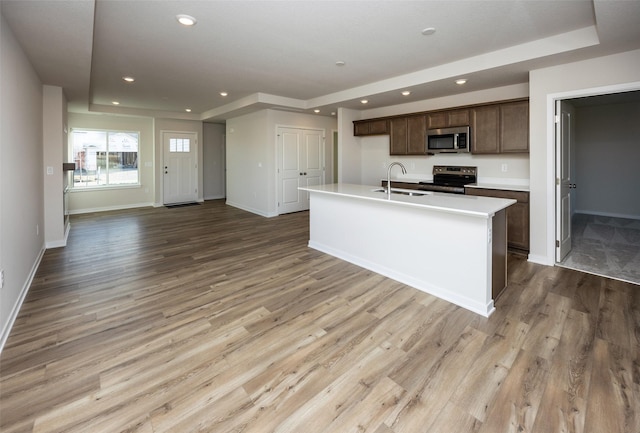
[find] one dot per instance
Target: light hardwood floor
(211, 319)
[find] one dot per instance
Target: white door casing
(300, 163)
(563, 181)
(180, 167)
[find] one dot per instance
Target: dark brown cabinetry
(445, 119)
(517, 215)
(500, 128)
(514, 127)
(408, 135)
(371, 127)
(485, 125)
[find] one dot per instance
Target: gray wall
(213, 154)
(607, 159)
(21, 176)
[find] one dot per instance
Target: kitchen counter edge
(476, 206)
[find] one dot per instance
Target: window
(179, 145)
(105, 158)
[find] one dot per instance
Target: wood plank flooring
(211, 319)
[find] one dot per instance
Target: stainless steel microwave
(449, 140)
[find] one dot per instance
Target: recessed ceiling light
(115, 102)
(461, 81)
(223, 93)
(316, 111)
(364, 101)
(428, 31)
(188, 110)
(340, 63)
(128, 79)
(406, 93)
(186, 20)
(333, 113)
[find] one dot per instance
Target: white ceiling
(283, 54)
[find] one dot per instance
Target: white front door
(563, 181)
(300, 163)
(180, 169)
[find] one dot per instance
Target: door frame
(552, 234)
(277, 162)
(196, 154)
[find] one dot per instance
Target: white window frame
(75, 187)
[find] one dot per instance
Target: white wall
(349, 147)
(21, 176)
(589, 77)
(117, 198)
(54, 141)
(369, 156)
(248, 154)
(607, 153)
(213, 156)
(175, 125)
(251, 156)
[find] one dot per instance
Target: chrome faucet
(404, 171)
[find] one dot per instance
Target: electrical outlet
(505, 168)
(1, 278)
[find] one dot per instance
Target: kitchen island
(451, 246)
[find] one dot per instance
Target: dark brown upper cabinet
(370, 127)
(446, 119)
(408, 135)
(500, 128)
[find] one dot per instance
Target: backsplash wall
(376, 159)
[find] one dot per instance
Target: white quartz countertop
(442, 202)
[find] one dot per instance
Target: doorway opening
(597, 203)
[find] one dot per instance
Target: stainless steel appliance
(447, 178)
(449, 140)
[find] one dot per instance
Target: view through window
(105, 158)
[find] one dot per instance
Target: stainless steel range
(449, 178)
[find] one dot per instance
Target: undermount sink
(402, 191)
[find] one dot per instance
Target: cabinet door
(514, 127)
(360, 128)
(518, 226)
(458, 118)
(416, 135)
(378, 127)
(437, 120)
(398, 139)
(485, 123)
(445, 119)
(370, 127)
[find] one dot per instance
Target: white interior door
(563, 181)
(300, 163)
(180, 169)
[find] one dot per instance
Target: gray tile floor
(605, 246)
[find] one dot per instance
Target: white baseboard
(6, 327)
(541, 260)
(108, 208)
(252, 210)
(607, 214)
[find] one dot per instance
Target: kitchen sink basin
(402, 191)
